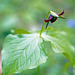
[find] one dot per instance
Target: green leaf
(20, 31)
(27, 51)
(22, 52)
(60, 44)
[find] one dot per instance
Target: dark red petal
(54, 19)
(61, 13)
(47, 20)
(50, 17)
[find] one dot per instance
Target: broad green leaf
(60, 44)
(28, 51)
(22, 52)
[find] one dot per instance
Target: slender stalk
(44, 23)
(47, 25)
(38, 70)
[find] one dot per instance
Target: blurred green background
(29, 15)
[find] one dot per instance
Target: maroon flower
(53, 16)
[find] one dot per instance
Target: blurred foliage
(29, 15)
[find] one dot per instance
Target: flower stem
(44, 23)
(47, 25)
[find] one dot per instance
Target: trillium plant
(23, 50)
